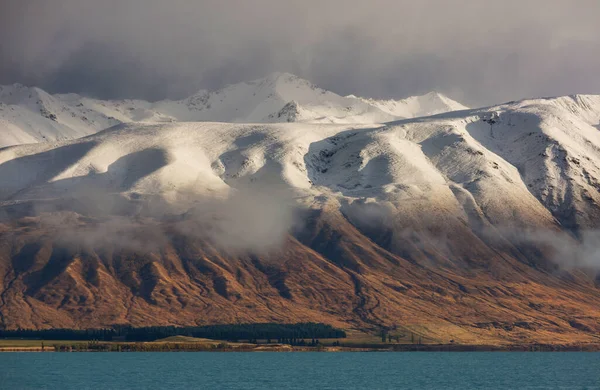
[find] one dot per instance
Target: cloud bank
(480, 52)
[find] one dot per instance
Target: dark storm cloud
(478, 51)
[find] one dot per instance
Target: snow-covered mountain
(31, 115)
(450, 226)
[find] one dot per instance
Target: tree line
(229, 332)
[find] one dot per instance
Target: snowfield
(528, 163)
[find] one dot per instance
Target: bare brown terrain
(475, 291)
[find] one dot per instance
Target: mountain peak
(276, 76)
(434, 95)
(282, 79)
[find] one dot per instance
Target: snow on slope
(31, 115)
(535, 162)
(431, 103)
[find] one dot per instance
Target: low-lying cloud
(443, 237)
(247, 220)
(567, 251)
(252, 220)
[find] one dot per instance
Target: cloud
(478, 51)
(247, 220)
(567, 251)
(444, 237)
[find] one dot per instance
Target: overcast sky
(479, 51)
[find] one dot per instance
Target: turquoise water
(441, 370)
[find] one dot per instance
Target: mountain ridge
(29, 114)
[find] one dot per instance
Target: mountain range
(29, 114)
(275, 200)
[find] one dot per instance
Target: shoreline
(143, 347)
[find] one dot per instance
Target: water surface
(303, 370)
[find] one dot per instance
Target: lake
(345, 370)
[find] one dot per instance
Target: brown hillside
(330, 271)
